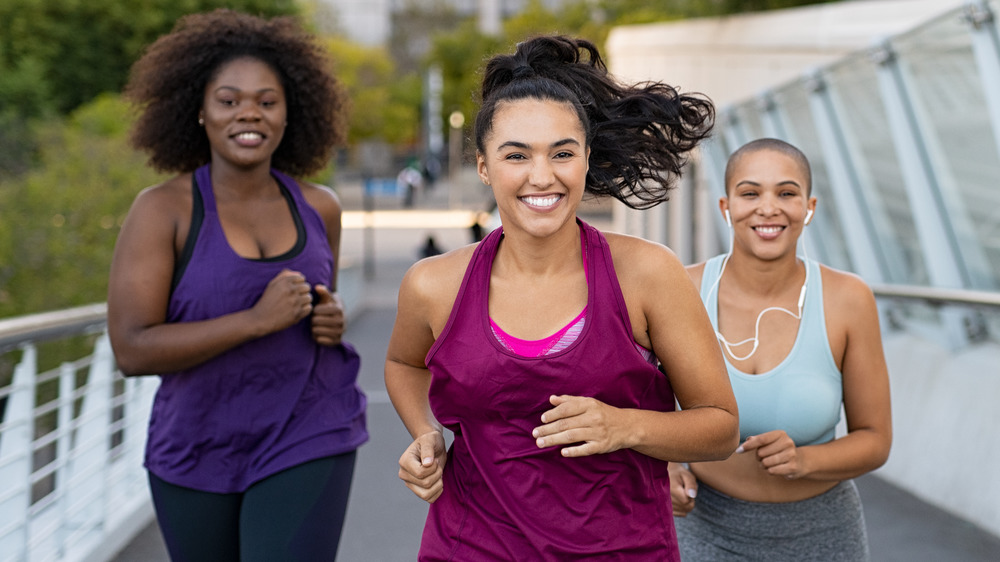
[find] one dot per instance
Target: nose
(767, 205)
(541, 174)
(248, 112)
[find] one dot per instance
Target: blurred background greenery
(68, 176)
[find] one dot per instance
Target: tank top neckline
(284, 182)
(586, 250)
(799, 332)
(527, 348)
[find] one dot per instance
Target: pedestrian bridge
(904, 138)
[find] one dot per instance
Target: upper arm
(426, 297)
(144, 259)
(325, 201)
(853, 327)
(660, 290)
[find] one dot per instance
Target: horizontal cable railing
(72, 432)
(938, 296)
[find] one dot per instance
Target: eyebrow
(525, 146)
(235, 89)
(780, 183)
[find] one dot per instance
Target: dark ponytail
(639, 135)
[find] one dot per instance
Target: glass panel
(943, 72)
(871, 146)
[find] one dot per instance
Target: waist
(741, 476)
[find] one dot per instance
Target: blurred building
(370, 22)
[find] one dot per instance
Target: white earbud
(729, 219)
(809, 215)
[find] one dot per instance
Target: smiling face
(244, 112)
(536, 162)
(768, 199)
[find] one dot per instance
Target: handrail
(51, 325)
(939, 296)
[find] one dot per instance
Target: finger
(323, 294)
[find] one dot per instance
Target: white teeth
(768, 229)
(249, 136)
(542, 201)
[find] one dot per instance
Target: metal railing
(72, 485)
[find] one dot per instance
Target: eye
(515, 156)
(227, 102)
(565, 154)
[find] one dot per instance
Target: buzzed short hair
(775, 145)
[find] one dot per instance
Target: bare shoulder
(437, 279)
(844, 289)
(170, 201)
(640, 257)
(322, 198)
(696, 272)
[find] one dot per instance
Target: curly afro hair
(168, 84)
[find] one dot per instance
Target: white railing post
(15, 457)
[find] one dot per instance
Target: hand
(421, 467)
(683, 489)
(327, 317)
(286, 301)
(776, 453)
(588, 423)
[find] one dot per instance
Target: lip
(249, 138)
(768, 231)
(542, 202)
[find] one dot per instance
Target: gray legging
(827, 528)
(296, 514)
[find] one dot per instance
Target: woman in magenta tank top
(543, 348)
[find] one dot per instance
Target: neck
(521, 253)
(242, 183)
(764, 278)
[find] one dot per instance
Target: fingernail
(428, 460)
(691, 492)
(534, 433)
(739, 449)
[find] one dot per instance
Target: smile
(542, 202)
(248, 138)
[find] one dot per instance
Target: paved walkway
(384, 520)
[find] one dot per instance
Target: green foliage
(73, 50)
(60, 220)
(384, 105)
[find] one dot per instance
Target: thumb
(323, 293)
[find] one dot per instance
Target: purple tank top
(270, 403)
(506, 499)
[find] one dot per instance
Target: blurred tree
(385, 104)
(58, 54)
(60, 220)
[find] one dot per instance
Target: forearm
(850, 456)
(408, 387)
(169, 347)
(698, 434)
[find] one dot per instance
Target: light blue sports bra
(803, 394)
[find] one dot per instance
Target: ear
(724, 209)
(810, 210)
(484, 175)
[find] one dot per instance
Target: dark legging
(294, 515)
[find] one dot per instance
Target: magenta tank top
(270, 403)
(506, 499)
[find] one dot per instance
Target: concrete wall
(736, 57)
(946, 445)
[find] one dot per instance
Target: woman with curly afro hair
(224, 284)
